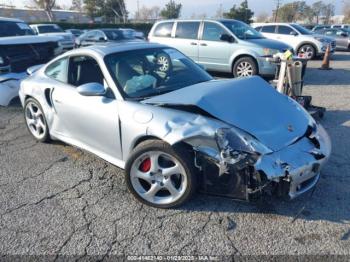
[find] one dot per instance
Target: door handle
(193, 43)
(204, 44)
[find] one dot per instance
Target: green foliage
(242, 13)
(93, 8)
(171, 10)
(143, 27)
(299, 10)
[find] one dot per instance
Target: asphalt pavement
(62, 202)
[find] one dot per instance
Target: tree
(93, 8)
(47, 5)
(145, 13)
(171, 10)
(242, 13)
(347, 12)
(327, 12)
(77, 5)
(317, 9)
(262, 17)
(114, 9)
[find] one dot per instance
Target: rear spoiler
(31, 70)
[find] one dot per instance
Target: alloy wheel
(35, 120)
(244, 69)
(158, 178)
(307, 51)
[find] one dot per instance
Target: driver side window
(58, 70)
(84, 70)
(212, 32)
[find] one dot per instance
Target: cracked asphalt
(59, 201)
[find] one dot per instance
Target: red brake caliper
(145, 165)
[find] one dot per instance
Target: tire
(148, 179)
(307, 49)
(35, 120)
(244, 67)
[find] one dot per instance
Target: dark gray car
(340, 35)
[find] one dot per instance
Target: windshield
(302, 30)
(119, 34)
(43, 29)
(14, 29)
(149, 72)
(242, 30)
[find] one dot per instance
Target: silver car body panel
(242, 103)
(111, 128)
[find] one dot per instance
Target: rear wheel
(160, 175)
(35, 120)
(307, 51)
(245, 66)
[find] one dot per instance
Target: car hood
(250, 104)
(268, 43)
(16, 40)
(327, 38)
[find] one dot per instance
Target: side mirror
(91, 89)
(294, 33)
(102, 39)
(226, 38)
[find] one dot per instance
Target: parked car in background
(304, 42)
(149, 109)
(20, 48)
(75, 32)
(341, 37)
(134, 33)
(339, 26)
(105, 35)
(220, 45)
(67, 39)
(319, 27)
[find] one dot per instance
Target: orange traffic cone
(325, 62)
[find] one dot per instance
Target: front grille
(23, 56)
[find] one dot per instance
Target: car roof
(11, 19)
(263, 24)
(43, 24)
(110, 48)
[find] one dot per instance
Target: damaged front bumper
(289, 172)
(9, 86)
(296, 168)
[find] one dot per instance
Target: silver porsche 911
(152, 111)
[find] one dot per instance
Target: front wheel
(161, 175)
(244, 67)
(35, 120)
(307, 51)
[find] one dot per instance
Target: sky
(199, 7)
(211, 6)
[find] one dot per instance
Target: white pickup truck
(67, 39)
(20, 49)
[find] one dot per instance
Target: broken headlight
(235, 144)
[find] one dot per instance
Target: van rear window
(164, 29)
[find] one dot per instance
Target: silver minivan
(220, 45)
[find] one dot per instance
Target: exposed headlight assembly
(235, 146)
